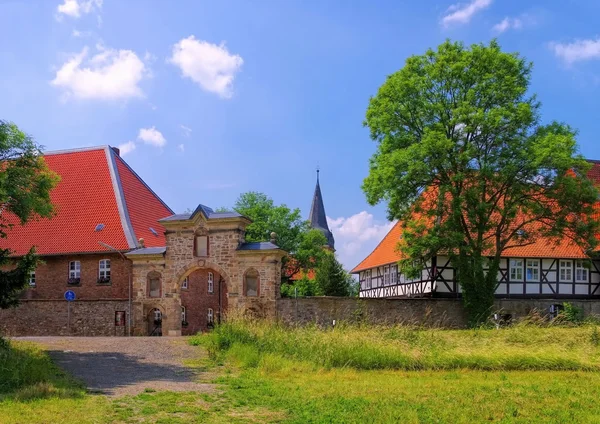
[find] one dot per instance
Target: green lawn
(524, 374)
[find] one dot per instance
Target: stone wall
(429, 312)
(51, 318)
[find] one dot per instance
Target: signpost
(69, 297)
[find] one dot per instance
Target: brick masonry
(447, 313)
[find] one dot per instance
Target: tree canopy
(464, 162)
(25, 184)
(294, 235)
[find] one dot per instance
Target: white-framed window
(516, 269)
(386, 275)
(157, 315)
(394, 274)
(32, 278)
(183, 314)
(210, 316)
(368, 278)
(532, 270)
(201, 245)
(211, 282)
(185, 283)
(74, 269)
(104, 269)
(566, 271)
(581, 272)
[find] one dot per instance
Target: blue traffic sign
(69, 295)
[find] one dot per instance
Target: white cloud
(181, 148)
(579, 50)
(109, 75)
(76, 8)
(152, 136)
(356, 236)
(81, 34)
(462, 13)
(126, 148)
(210, 66)
(187, 131)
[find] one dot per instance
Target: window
(211, 282)
(185, 283)
(210, 316)
(566, 271)
(201, 246)
(251, 283)
(394, 274)
(74, 272)
(386, 275)
(32, 278)
(581, 272)
(183, 314)
(368, 278)
(532, 270)
(157, 315)
(516, 270)
(104, 271)
(154, 284)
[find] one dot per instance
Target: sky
(210, 99)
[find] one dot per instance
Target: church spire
(317, 217)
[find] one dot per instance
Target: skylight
(99, 227)
(153, 231)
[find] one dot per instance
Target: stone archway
(195, 265)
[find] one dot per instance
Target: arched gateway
(205, 271)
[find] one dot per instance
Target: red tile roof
(386, 251)
(96, 187)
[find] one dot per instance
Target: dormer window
(201, 246)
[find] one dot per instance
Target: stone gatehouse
(205, 270)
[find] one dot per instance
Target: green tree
(294, 235)
(464, 163)
(25, 184)
(331, 278)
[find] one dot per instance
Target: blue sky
(219, 98)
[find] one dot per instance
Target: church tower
(317, 217)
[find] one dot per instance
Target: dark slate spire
(317, 217)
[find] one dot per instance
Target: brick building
(134, 265)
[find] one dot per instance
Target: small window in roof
(153, 231)
(99, 227)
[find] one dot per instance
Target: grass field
(268, 373)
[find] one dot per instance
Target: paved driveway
(118, 366)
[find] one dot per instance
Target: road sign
(69, 295)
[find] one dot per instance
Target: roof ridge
(120, 197)
(75, 150)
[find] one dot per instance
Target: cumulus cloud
(152, 136)
(577, 51)
(356, 236)
(126, 148)
(462, 13)
(506, 24)
(108, 75)
(211, 66)
(187, 131)
(76, 8)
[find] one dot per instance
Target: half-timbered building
(543, 269)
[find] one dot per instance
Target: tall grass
(522, 347)
(27, 372)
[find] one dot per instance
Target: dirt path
(118, 366)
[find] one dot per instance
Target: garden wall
(429, 312)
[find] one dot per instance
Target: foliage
(363, 347)
(331, 278)
(571, 313)
(304, 245)
(464, 163)
(25, 184)
(302, 288)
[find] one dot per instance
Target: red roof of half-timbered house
(99, 199)
(386, 251)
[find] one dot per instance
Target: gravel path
(117, 366)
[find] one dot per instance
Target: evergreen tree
(331, 279)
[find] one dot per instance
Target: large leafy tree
(465, 164)
(25, 184)
(294, 235)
